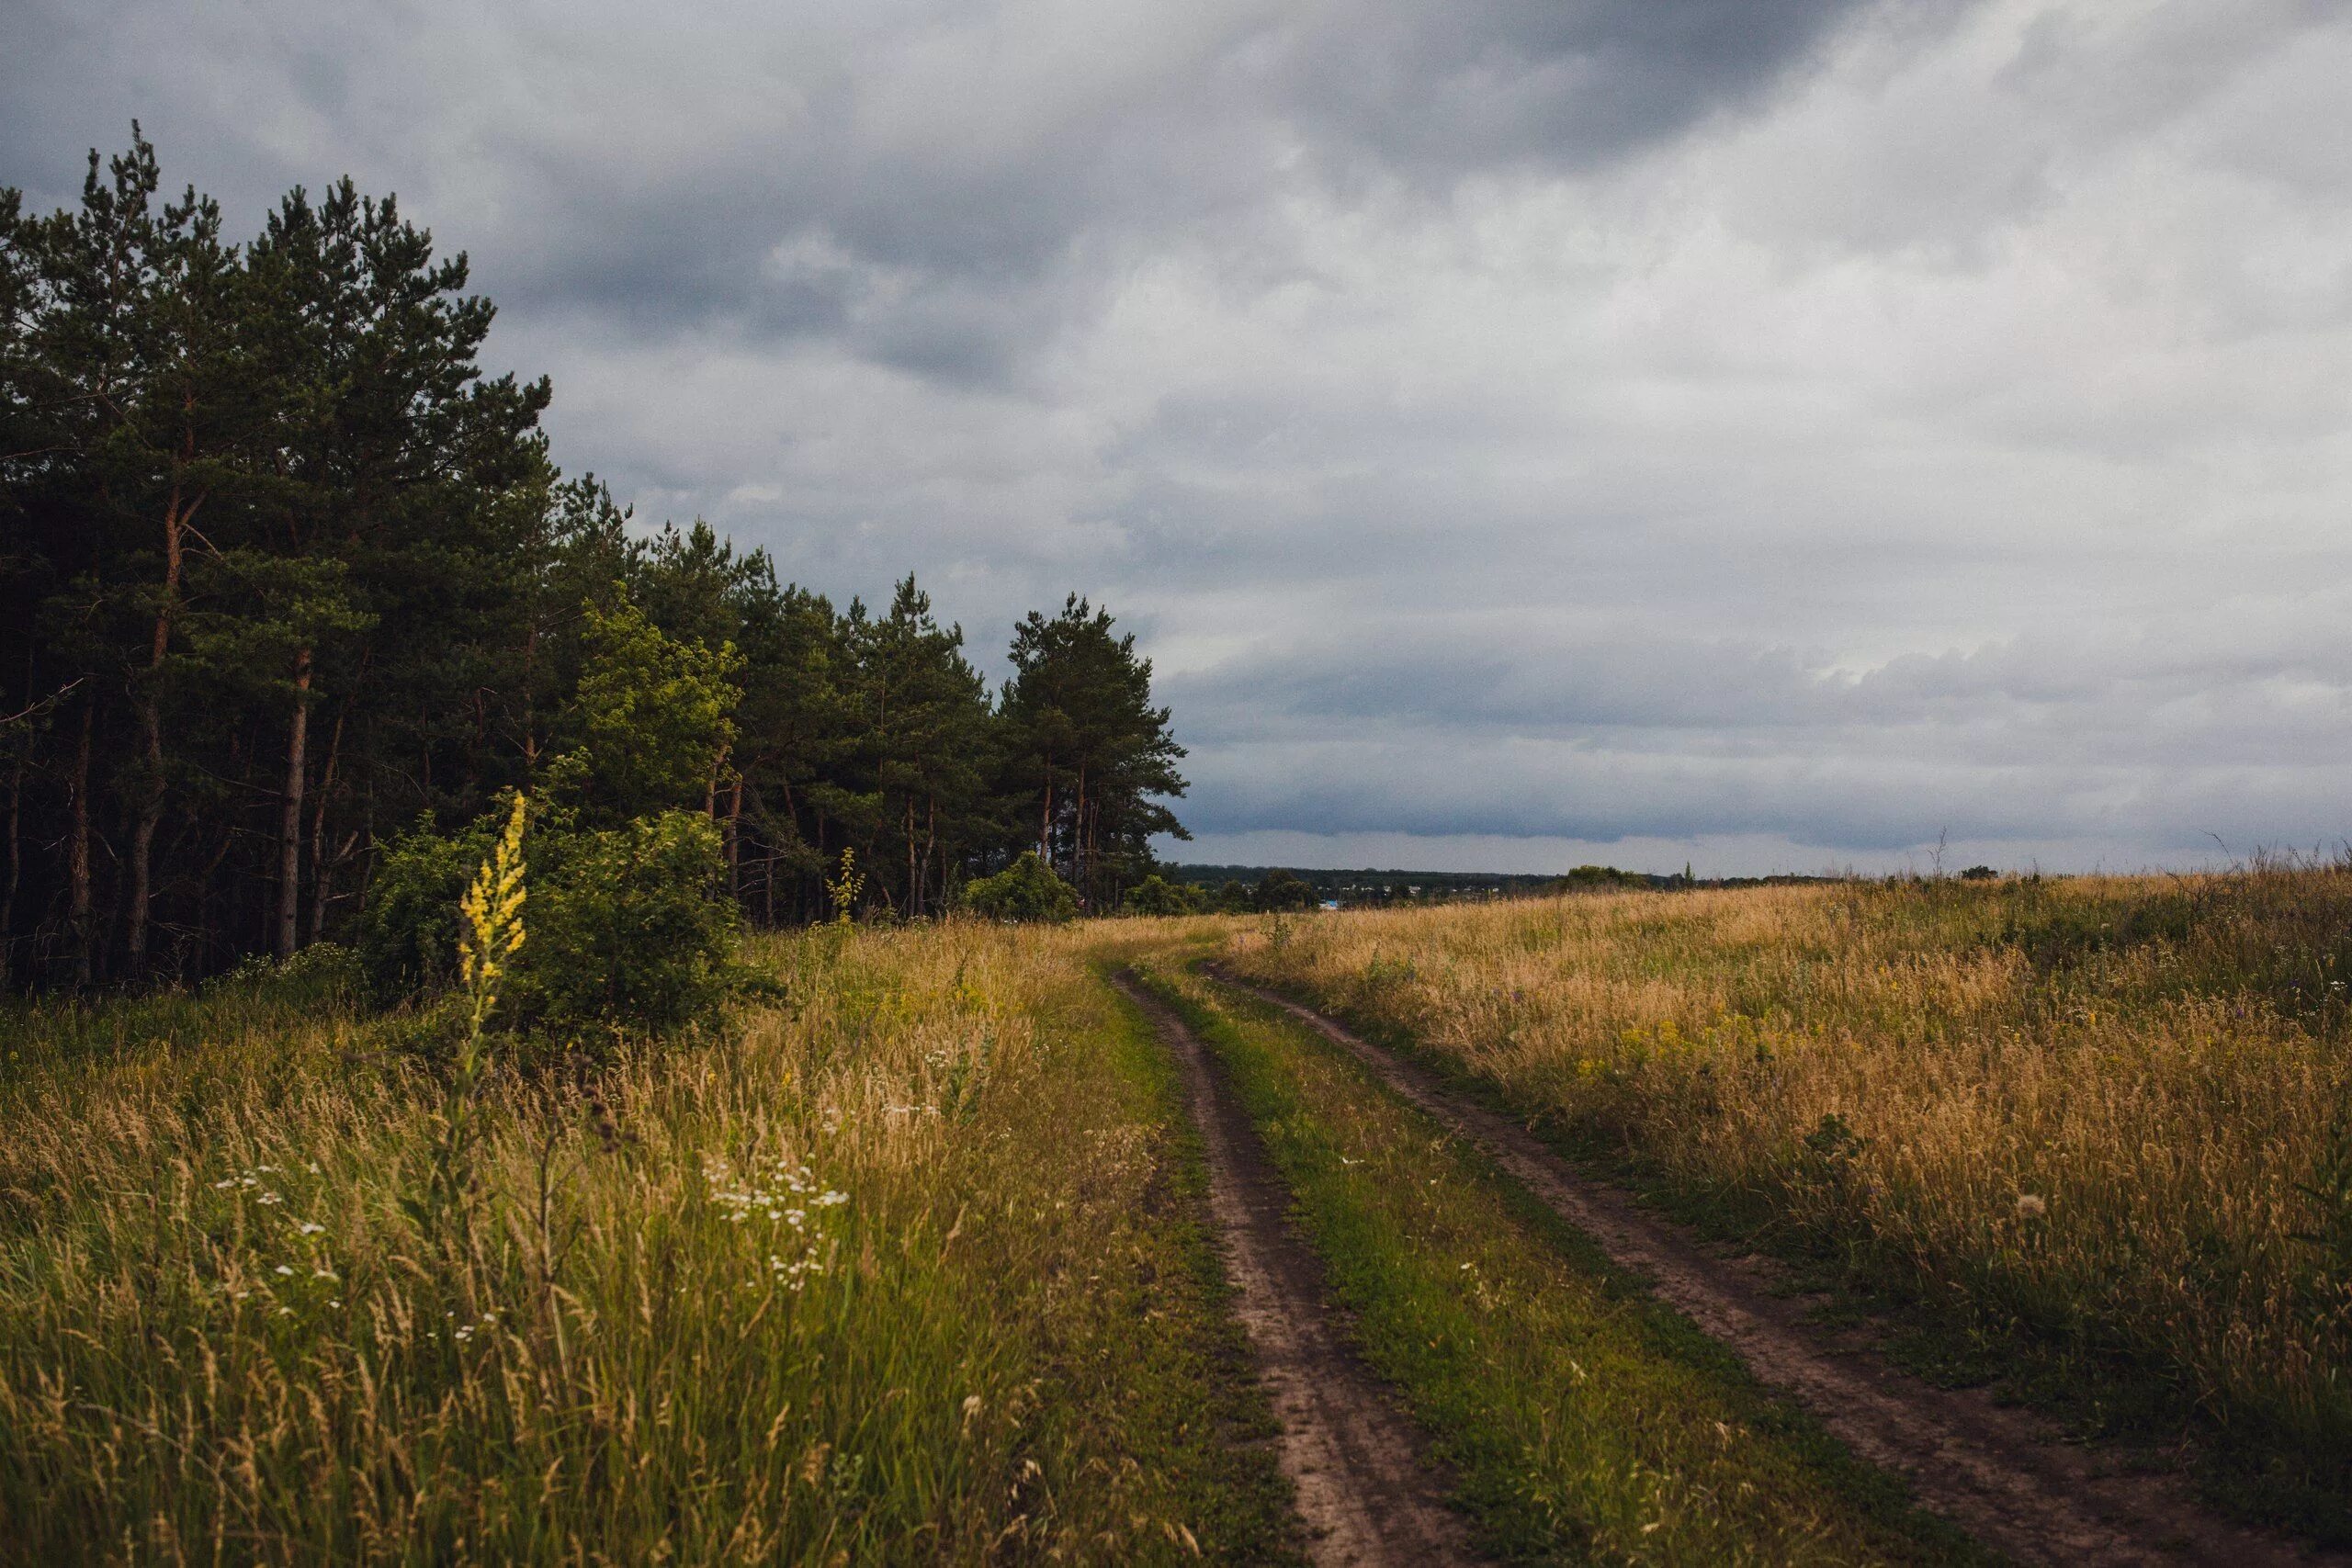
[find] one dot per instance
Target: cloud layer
(1768, 433)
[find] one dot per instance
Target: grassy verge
(2086, 1140)
(1584, 1421)
(906, 1269)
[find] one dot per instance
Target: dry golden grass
(892, 1272)
(2095, 1110)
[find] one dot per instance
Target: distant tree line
(1245, 889)
(284, 575)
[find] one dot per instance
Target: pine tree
(1088, 754)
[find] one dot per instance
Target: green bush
(1025, 890)
(323, 978)
(628, 930)
(408, 938)
(1154, 895)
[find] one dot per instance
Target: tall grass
(2106, 1118)
(897, 1271)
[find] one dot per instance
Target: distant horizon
(1706, 861)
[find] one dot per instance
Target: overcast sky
(1767, 434)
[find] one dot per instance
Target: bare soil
(2002, 1474)
(1365, 1493)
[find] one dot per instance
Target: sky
(1766, 435)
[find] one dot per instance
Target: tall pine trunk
(1045, 819)
(322, 865)
(289, 827)
(931, 847)
(151, 735)
(142, 829)
(1078, 872)
(914, 888)
(77, 854)
(735, 839)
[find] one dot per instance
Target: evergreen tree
(918, 788)
(1089, 760)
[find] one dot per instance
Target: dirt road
(1366, 1497)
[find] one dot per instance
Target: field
(916, 1261)
(907, 1269)
(2096, 1131)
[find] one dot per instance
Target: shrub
(1154, 895)
(408, 939)
(1025, 890)
(628, 931)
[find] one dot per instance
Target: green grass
(1584, 1422)
(224, 1336)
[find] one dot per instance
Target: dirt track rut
(1365, 1496)
(1999, 1472)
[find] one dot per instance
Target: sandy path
(1999, 1472)
(1354, 1458)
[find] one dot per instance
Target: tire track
(1366, 1499)
(1999, 1472)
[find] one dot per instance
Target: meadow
(902, 1268)
(907, 1259)
(2094, 1134)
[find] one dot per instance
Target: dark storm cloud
(898, 178)
(2046, 697)
(1772, 425)
(1488, 83)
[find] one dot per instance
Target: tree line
(286, 574)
